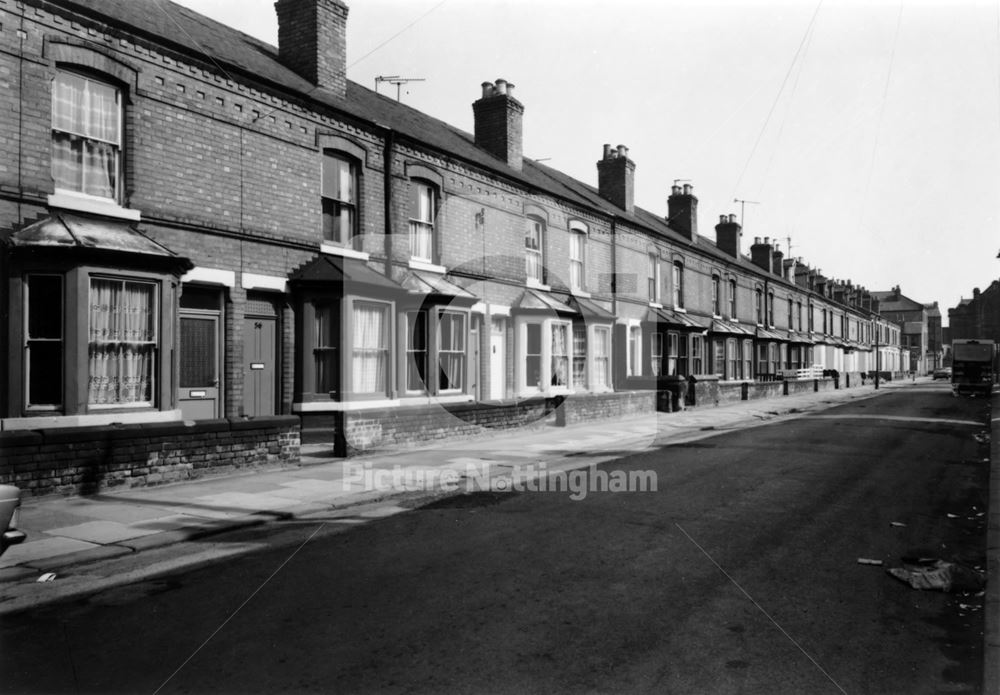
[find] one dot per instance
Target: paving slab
(101, 532)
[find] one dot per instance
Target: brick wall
(601, 406)
(85, 460)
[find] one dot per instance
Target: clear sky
(868, 131)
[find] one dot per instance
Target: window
(451, 350)
(86, 136)
(577, 248)
(656, 353)
(719, 358)
(416, 350)
(732, 299)
(697, 350)
(653, 278)
(634, 350)
(812, 318)
(770, 309)
(672, 354)
(122, 342)
(747, 359)
(602, 357)
(327, 328)
(762, 358)
(422, 206)
(791, 312)
(732, 359)
(678, 285)
(758, 306)
(534, 240)
(798, 309)
(682, 355)
(340, 191)
(716, 296)
(533, 356)
(370, 343)
(773, 358)
(560, 354)
(580, 356)
(44, 341)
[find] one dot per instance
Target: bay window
(533, 355)
(451, 350)
(560, 354)
(656, 354)
(672, 353)
(748, 359)
(86, 136)
(697, 348)
(44, 341)
(579, 356)
(719, 358)
(326, 367)
(370, 348)
(416, 350)
(122, 342)
(602, 357)
(634, 351)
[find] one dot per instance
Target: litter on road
(897, 523)
(868, 561)
(939, 575)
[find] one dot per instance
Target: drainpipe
(390, 142)
(614, 267)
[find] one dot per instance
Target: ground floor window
(451, 350)
(634, 351)
(732, 359)
(122, 342)
(43, 347)
(773, 358)
(719, 358)
(579, 356)
(416, 350)
(325, 356)
(560, 354)
(370, 348)
(533, 355)
(656, 354)
(747, 359)
(602, 357)
(697, 350)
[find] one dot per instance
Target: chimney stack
(777, 259)
(616, 178)
(682, 211)
(789, 267)
(312, 41)
(498, 116)
(727, 235)
(760, 253)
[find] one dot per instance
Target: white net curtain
(86, 123)
(452, 350)
(122, 341)
(370, 348)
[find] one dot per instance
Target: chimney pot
(487, 90)
(622, 151)
(723, 219)
(607, 151)
(756, 240)
(732, 217)
(675, 190)
(501, 86)
(688, 188)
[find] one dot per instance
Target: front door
(198, 394)
(498, 362)
(259, 353)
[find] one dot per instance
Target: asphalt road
(739, 574)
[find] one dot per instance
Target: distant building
(921, 328)
(977, 317)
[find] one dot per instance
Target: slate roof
(249, 59)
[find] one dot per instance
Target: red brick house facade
(202, 233)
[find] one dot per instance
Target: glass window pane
(122, 336)
(198, 356)
(45, 306)
(44, 367)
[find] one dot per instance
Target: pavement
(66, 534)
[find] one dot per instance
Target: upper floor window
(534, 246)
(653, 279)
(577, 248)
(791, 325)
(758, 305)
(812, 318)
(340, 198)
(422, 206)
(716, 296)
(678, 285)
(732, 299)
(798, 321)
(86, 136)
(770, 309)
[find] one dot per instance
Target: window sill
(417, 264)
(93, 419)
(577, 292)
(337, 406)
(78, 202)
(343, 251)
(536, 285)
(680, 310)
(656, 305)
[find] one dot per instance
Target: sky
(865, 131)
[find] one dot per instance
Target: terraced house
(213, 248)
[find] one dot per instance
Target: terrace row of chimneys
(312, 42)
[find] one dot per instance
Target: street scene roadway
(740, 573)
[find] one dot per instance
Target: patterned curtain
(122, 338)
(85, 118)
(451, 350)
